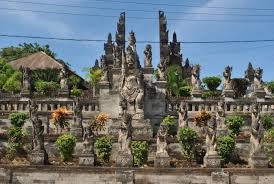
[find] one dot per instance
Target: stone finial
(174, 37)
(109, 37)
(131, 39)
(187, 63)
(148, 56)
(249, 73)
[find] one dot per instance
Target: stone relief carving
(148, 56)
(88, 141)
(195, 78)
(162, 140)
(125, 134)
(77, 112)
(183, 115)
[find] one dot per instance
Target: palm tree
(94, 76)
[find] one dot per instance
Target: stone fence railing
(231, 106)
(22, 105)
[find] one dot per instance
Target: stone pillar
(104, 87)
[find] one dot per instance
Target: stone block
(259, 161)
(229, 93)
(220, 178)
(162, 160)
(124, 160)
(38, 158)
(196, 93)
(86, 160)
(212, 161)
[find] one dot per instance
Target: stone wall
(86, 175)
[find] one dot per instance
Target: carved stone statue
(64, 78)
(257, 156)
(227, 78)
(26, 79)
(88, 141)
(125, 136)
(148, 56)
(77, 125)
(220, 119)
(183, 115)
(211, 137)
(132, 87)
(249, 73)
(195, 78)
(39, 155)
(257, 131)
(258, 83)
(162, 140)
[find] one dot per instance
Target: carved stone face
(227, 72)
(258, 73)
(196, 70)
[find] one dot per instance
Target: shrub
(13, 83)
(225, 147)
(270, 86)
(234, 124)
(139, 151)
(103, 147)
(15, 140)
(60, 116)
(188, 139)
(65, 146)
(170, 123)
(269, 146)
(99, 123)
(44, 87)
(267, 122)
(74, 80)
(185, 91)
(212, 83)
(76, 92)
(239, 86)
(201, 118)
(207, 94)
(17, 119)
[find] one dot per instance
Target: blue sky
(212, 57)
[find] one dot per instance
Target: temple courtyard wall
(86, 175)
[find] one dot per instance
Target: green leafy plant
(176, 85)
(13, 83)
(76, 92)
(170, 123)
(234, 124)
(74, 81)
(47, 75)
(65, 145)
(188, 138)
(45, 88)
(207, 94)
(269, 144)
(270, 86)
(267, 122)
(17, 119)
(212, 83)
(94, 76)
(103, 147)
(239, 86)
(225, 147)
(139, 151)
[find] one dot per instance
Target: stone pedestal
(162, 160)
(25, 93)
(142, 129)
(259, 93)
(220, 178)
(196, 93)
(124, 159)
(38, 158)
(228, 93)
(212, 161)
(64, 93)
(86, 159)
(148, 73)
(76, 131)
(104, 87)
(258, 161)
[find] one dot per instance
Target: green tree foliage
(75, 82)
(6, 71)
(212, 83)
(13, 83)
(234, 124)
(25, 49)
(65, 145)
(17, 119)
(16, 134)
(170, 123)
(47, 75)
(45, 88)
(270, 86)
(176, 86)
(225, 147)
(139, 151)
(269, 144)
(188, 138)
(103, 147)
(267, 122)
